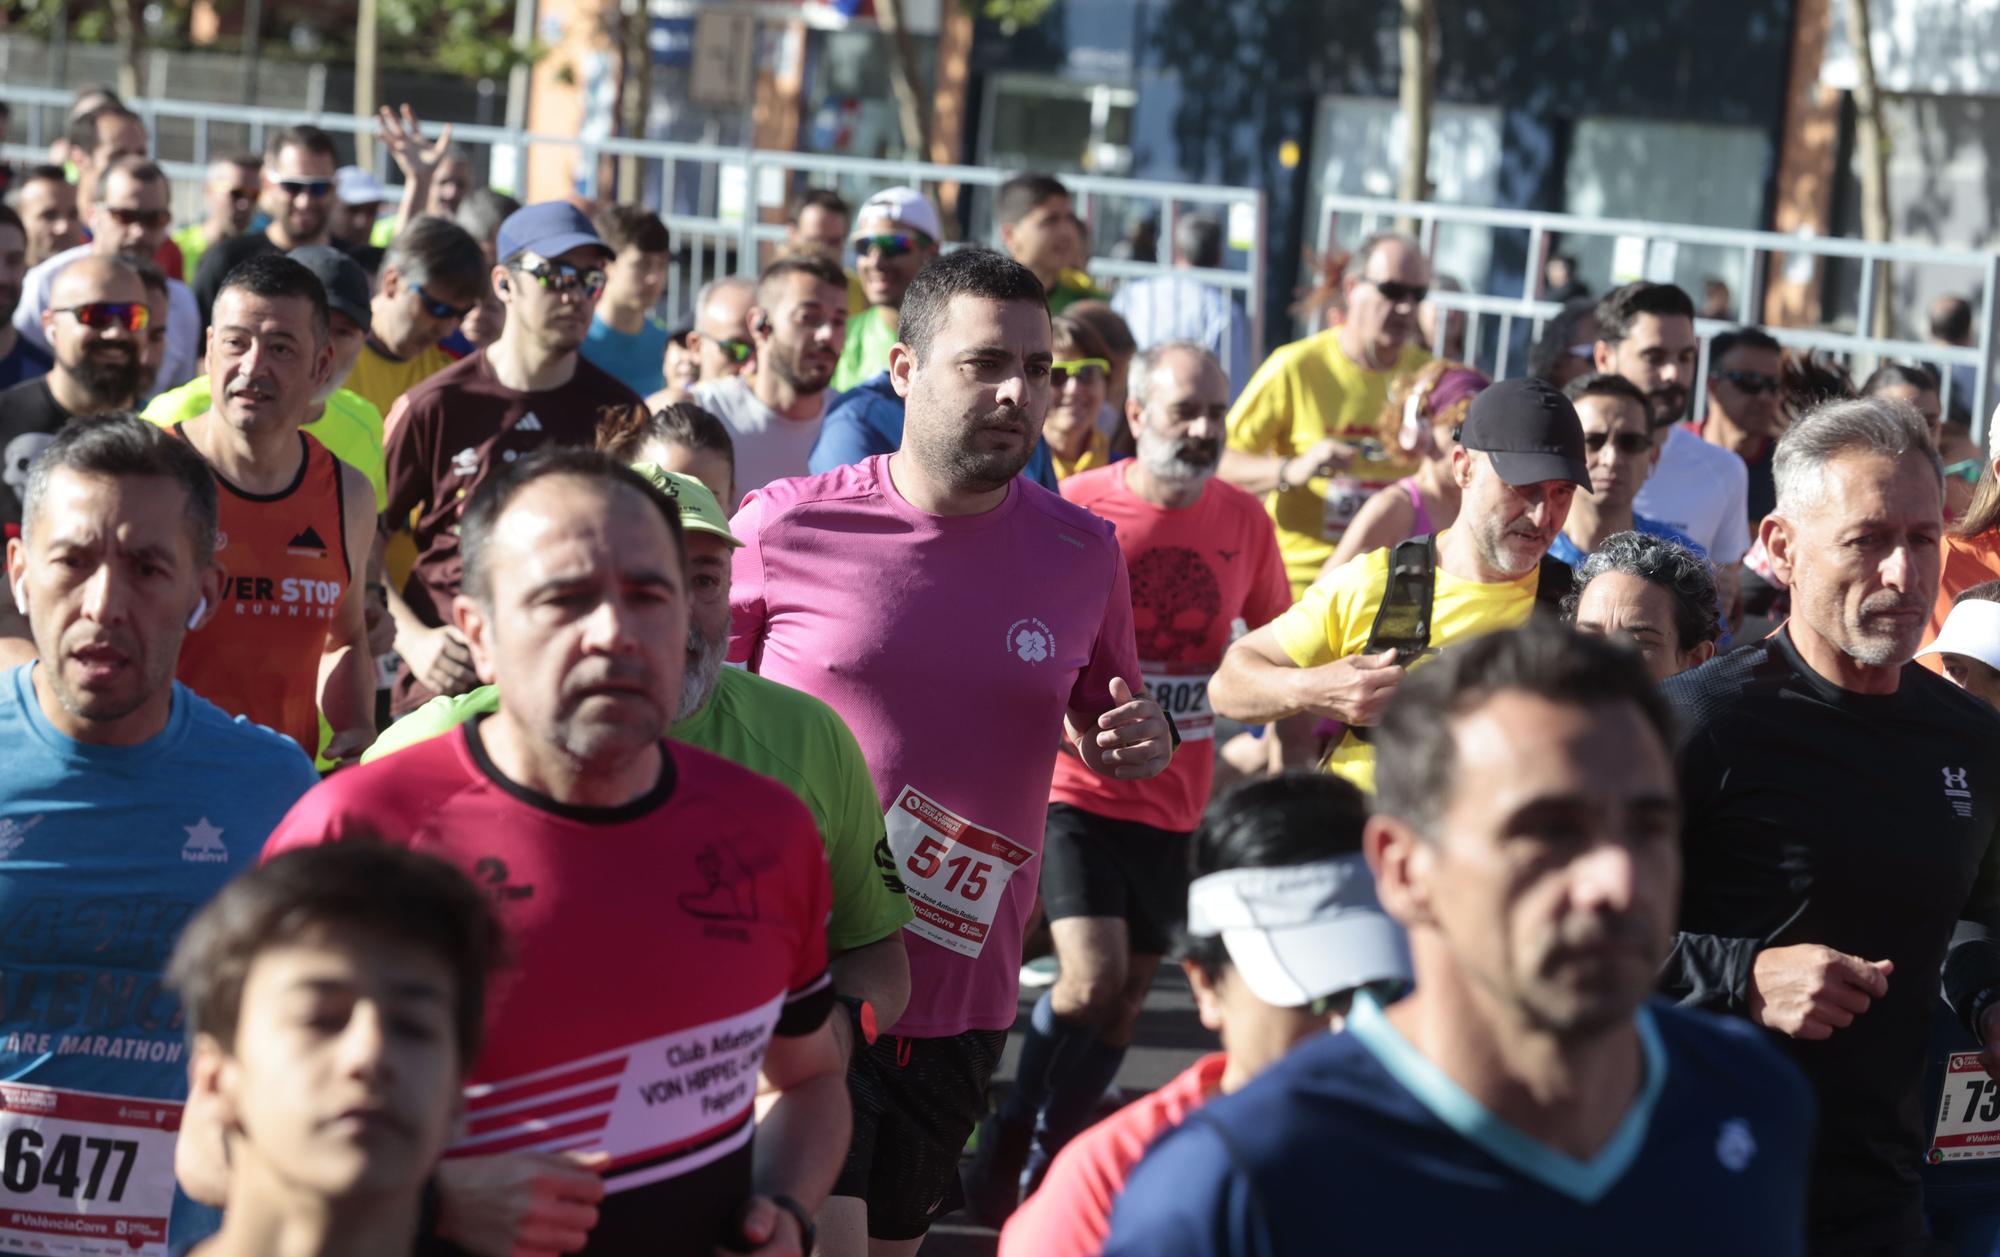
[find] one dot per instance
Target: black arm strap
(1404, 618)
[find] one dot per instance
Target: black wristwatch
(807, 1232)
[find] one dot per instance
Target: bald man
(721, 336)
(95, 323)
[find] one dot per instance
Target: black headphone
(503, 284)
(763, 323)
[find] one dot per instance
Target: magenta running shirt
(952, 647)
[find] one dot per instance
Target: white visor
(1301, 932)
(1973, 630)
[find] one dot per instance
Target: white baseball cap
(1301, 932)
(902, 205)
(355, 186)
(1973, 630)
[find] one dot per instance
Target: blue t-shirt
(636, 359)
(1569, 552)
(1357, 1143)
(28, 361)
(868, 420)
(105, 852)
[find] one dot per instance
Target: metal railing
(1346, 219)
(713, 199)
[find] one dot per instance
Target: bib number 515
(24, 1167)
(968, 876)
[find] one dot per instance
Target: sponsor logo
(528, 423)
(1957, 792)
(1229, 556)
(465, 463)
(13, 833)
(307, 544)
(1735, 1146)
(204, 844)
(1030, 640)
(885, 866)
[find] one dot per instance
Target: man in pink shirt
(1202, 555)
(1283, 929)
(961, 621)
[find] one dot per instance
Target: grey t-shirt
(768, 445)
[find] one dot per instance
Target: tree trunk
(1418, 26)
(635, 96)
(127, 23)
(911, 103)
(367, 42)
(1873, 147)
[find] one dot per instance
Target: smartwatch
(864, 1017)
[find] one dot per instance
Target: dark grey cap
(346, 284)
(1532, 432)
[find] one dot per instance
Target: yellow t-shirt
(1304, 392)
(1332, 622)
(382, 380)
(1096, 453)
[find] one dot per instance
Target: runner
(1526, 1094)
(288, 638)
(1338, 655)
(896, 232)
(957, 620)
(1807, 758)
(663, 905)
(625, 339)
(720, 338)
(1620, 448)
(1285, 928)
(1657, 595)
(772, 730)
(447, 435)
(681, 438)
(1424, 412)
(1202, 557)
(430, 279)
(335, 999)
(126, 800)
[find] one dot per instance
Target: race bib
(1182, 692)
(1968, 1120)
(85, 1175)
(1344, 498)
(956, 873)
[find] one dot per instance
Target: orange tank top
(286, 566)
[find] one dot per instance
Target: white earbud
(21, 597)
(200, 610)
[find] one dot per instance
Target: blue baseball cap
(550, 229)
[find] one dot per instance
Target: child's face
(345, 1075)
(1980, 680)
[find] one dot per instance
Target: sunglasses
(103, 315)
(562, 277)
(1088, 370)
(441, 309)
(739, 351)
(891, 245)
(1400, 293)
(1624, 442)
(1751, 382)
(140, 218)
(314, 188)
(244, 196)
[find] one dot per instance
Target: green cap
(700, 512)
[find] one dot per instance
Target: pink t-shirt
(1070, 1214)
(952, 647)
(1194, 572)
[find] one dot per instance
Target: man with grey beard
(1202, 555)
(1840, 812)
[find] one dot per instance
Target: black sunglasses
(140, 218)
(314, 188)
(1751, 382)
(442, 310)
(1624, 442)
(738, 350)
(1399, 293)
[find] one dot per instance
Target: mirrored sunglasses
(102, 315)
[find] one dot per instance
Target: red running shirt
(1194, 572)
(286, 568)
(657, 947)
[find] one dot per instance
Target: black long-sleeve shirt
(1864, 823)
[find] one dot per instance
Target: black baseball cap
(1531, 431)
(345, 281)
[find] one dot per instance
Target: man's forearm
(406, 617)
(802, 1143)
(1254, 690)
(1253, 473)
(878, 973)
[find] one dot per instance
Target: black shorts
(1094, 866)
(916, 1102)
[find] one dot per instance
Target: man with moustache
(445, 436)
(1202, 554)
(95, 317)
(299, 164)
(798, 325)
(1841, 808)
(1519, 461)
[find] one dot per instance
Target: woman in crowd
(682, 437)
(1079, 382)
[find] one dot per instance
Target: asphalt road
(1168, 1040)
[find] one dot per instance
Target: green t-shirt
(867, 353)
(351, 428)
(192, 241)
(772, 729)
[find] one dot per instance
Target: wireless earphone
(763, 322)
(200, 610)
(21, 597)
(504, 285)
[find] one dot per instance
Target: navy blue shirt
(1357, 1143)
(25, 363)
(868, 420)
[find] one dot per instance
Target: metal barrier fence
(714, 200)
(1344, 220)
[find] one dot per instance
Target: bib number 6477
(968, 876)
(74, 1165)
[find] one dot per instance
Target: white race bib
(1968, 1120)
(1345, 497)
(1181, 690)
(955, 872)
(85, 1175)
